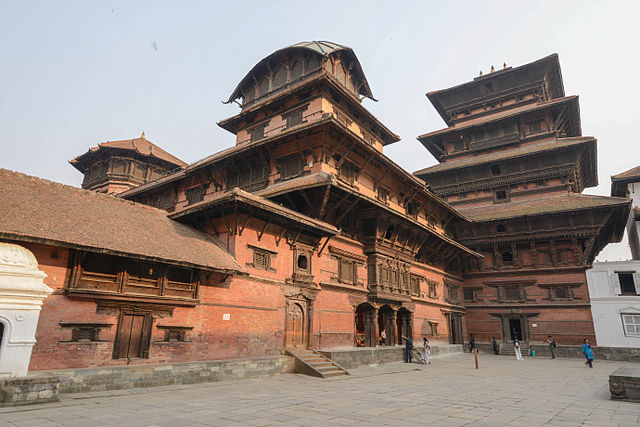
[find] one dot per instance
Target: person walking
(588, 352)
(407, 349)
(426, 350)
(516, 347)
(552, 346)
(472, 343)
(496, 347)
(383, 337)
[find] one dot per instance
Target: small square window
(501, 194)
(383, 194)
(261, 259)
(535, 127)
(348, 172)
(495, 169)
(347, 271)
(433, 290)
(434, 328)
(560, 292)
(469, 294)
(257, 133)
(511, 293)
(627, 285)
(195, 195)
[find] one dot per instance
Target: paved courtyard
(450, 392)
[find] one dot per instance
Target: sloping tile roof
(38, 210)
(237, 194)
(505, 154)
(139, 145)
(541, 206)
(633, 173)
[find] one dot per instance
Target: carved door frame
(305, 305)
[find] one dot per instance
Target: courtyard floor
(450, 392)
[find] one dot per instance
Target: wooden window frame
(433, 290)
(174, 333)
(192, 196)
(267, 254)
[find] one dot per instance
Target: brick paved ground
(450, 392)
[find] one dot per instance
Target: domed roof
(322, 49)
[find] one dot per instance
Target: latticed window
(469, 294)
(347, 271)
(433, 290)
(195, 195)
(348, 172)
(631, 324)
(294, 119)
(257, 133)
(561, 292)
(415, 286)
(291, 167)
(383, 194)
(511, 293)
(261, 259)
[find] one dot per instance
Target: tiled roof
(633, 173)
(38, 210)
(541, 206)
(139, 145)
(237, 194)
(505, 154)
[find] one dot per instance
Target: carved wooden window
(433, 290)
(388, 232)
(452, 294)
(469, 294)
(296, 70)
(100, 268)
(412, 208)
(383, 194)
(458, 145)
(501, 196)
(500, 228)
(280, 77)
(251, 176)
(194, 195)
(495, 169)
(511, 293)
(293, 119)
(631, 324)
(415, 286)
(85, 332)
(263, 87)
(142, 273)
(119, 167)
(431, 221)
(257, 133)
(560, 292)
(507, 257)
(347, 271)
(175, 333)
(291, 167)
(348, 172)
(261, 259)
(534, 127)
(303, 262)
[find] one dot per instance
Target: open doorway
(515, 328)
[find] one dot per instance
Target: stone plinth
(624, 383)
(350, 358)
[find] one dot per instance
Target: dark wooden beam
(323, 205)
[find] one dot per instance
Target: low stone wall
(28, 390)
(133, 376)
(621, 354)
(353, 357)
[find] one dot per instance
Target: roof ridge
(89, 193)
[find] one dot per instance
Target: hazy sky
(75, 73)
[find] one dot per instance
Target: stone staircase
(311, 362)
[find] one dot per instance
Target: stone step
(316, 364)
(334, 373)
(320, 364)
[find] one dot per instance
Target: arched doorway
(404, 324)
(365, 334)
(387, 323)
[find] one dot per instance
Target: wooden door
(295, 326)
(131, 336)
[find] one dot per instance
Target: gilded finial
(142, 136)
(504, 65)
(493, 68)
(480, 72)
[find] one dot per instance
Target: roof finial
(493, 69)
(142, 136)
(480, 73)
(504, 65)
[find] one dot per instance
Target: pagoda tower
(116, 166)
(367, 243)
(513, 160)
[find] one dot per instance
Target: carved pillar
(370, 335)
(392, 335)
(554, 252)
(497, 258)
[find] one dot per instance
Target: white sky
(75, 73)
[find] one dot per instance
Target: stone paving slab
(449, 392)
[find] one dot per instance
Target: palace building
(304, 235)
(514, 161)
